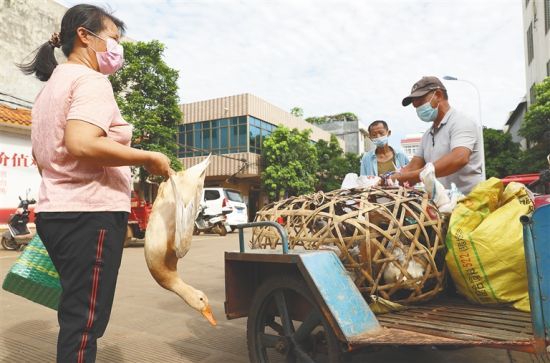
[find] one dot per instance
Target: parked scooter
(212, 220)
(18, 235)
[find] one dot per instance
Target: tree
(146, 92)
(345, 116)
(334, 164)
(297, 111)
(290, 163)
(501, 153)
(536, 129)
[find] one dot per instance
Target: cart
(303, 307)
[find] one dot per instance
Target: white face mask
(380, 141)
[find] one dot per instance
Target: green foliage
(146, 92)
(353, 163)
(290, 163)
(536, 129)
(501, 153)
(334, 164)
(345, 116)
(297, 111)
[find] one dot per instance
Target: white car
(222, 197)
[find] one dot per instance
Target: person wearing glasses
(384, 159)
(452, 143)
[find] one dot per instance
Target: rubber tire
(220, 229)
(9, 243)
(137, 232)
(287, 282)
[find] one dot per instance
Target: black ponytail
(90, 17)
(42, 64)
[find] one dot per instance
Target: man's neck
(443, 109)
(384, 150)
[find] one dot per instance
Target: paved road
(150, 324)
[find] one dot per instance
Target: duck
(170, 231)
(392, 273)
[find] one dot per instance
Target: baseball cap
(420, 88)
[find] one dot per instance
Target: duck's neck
(183, 290)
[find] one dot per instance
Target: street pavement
(150, 324)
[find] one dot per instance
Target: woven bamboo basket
(391, 240)
(34, 277)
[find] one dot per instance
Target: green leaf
(146, 92)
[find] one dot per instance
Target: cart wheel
(196, 231)
(219, 229)
(272, 333)
(9, 243)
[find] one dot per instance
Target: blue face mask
(426, 112)
(380, 141)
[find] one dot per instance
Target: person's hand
(393, 180)
(159, 164)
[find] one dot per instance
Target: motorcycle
(18, 235)
(211, 220)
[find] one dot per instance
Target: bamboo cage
(390, 240)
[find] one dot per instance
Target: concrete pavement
(150, 324)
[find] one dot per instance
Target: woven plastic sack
(485, 254)
(34, 277)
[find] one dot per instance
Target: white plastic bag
(352, 180)
(444, 199)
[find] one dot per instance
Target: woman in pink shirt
(81, 144)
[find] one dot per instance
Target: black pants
(86, 249)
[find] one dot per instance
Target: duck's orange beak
(207, 313)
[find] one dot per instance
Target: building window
(258, 131)
(530, 48)
(222, 136)
(410, 150)
(548, 68)
(547, 15)
(532, 95)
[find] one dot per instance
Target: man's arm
(416, 163)
(452, 162)
(446, 165)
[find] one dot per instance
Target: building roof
(411, 141)
(411, 138)
(521, 107)
(18, 117)
(248, 104)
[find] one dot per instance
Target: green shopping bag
(34, 277)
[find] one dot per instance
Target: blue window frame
(258, 131)
(223, 136)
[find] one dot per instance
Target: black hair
(377, 122)
(88, 16)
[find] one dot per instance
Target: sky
(336, 56)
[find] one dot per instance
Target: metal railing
(277, 226)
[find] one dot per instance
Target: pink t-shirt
(76, 92)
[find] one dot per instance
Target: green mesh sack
(34, 277)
